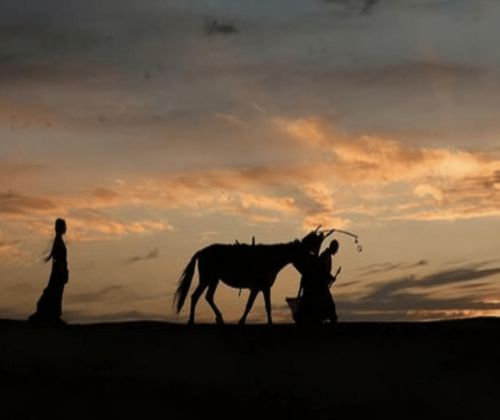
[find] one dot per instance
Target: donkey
(253, 267)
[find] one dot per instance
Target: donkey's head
(311, 243)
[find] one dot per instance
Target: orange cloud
(343, 178)
(279, 204)
(258, 194)
(309, 131)
(10, 251)
(439, 182)
(87, 214)
(17, 204)
(95, 225)
(8, 248)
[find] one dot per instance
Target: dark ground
(149, 369)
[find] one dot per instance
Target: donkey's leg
(267, 301)
(251, 300)
(194, 300)
(210, 299)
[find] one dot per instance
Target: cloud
(361, 6)
(434, 183)
(309, 130)
(91, 225)
(212, 26)
(19, 116)
(9, 169)
(92, 297)
(375, 159)
(344, 177)
(151, 255)
(87, 215)
(425, 297)
(457, 276)
(368, 6)
(12, 203)
(10, 251)
(386, 267)
(19, 175)
(258, 193)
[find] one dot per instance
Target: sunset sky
(154, 138)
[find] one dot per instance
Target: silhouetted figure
(315, 303)
(49, 306)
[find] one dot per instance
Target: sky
(155, 134)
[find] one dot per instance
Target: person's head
(60, 226)
(333, 247)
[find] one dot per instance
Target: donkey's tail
(184, 284)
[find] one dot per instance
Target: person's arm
(51, 255)
(333, 279)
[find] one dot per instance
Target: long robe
(49, 306)
(316, 304)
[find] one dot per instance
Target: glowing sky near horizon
(153, 139)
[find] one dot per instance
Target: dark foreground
(146, 369)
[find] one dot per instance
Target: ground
(145, 369)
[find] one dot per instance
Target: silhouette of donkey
(253, 267)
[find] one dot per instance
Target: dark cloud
(213, 26)
(474, 187)
(455, 276)
(144, 48)
(368, 6)
(46, 71)
(385, 267)
(91, 297)
(475, 285)
(28, 38)
(412, 293)
(415, 72)
(151, 255)
(362, 6)
(85, 43)
(408, 302)
(48, 46)
(342, 285)
(14, 203)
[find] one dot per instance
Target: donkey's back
(245, 261)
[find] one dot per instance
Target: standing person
(326, 297)
(316, 303)
(49, 306)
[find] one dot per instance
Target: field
(158, 370)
